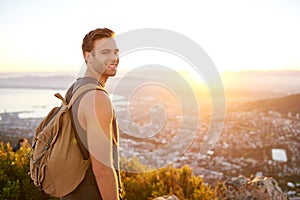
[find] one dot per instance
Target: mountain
(261, 84)
(37, 82)
(237, 85)
(284, 105)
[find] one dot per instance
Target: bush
(15, 182)
(166, 181)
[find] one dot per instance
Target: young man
(93, 117)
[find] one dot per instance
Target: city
(247, 145)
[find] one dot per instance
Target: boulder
(264, 188)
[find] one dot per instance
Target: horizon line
(74, 72)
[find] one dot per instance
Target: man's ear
(87, 56)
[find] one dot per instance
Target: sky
(46, 36)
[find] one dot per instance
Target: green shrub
(15, 182)
(166, 181)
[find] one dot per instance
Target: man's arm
(95, 111)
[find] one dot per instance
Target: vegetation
(15, 182)
(168, 181)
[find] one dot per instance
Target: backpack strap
(78, 92)
(70, 100)
(84, 151)
(83, 89)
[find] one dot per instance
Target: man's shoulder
(94, 104)
(96, 97)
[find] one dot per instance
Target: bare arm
(95, 115)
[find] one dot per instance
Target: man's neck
(102, 79)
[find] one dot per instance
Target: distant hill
(261, 84)
(290, 103)
(244, 84)
(37, 82)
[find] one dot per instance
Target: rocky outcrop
(259, 188)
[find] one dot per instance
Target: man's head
(88, 42)
(100, 52)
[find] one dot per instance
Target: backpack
(57, 165)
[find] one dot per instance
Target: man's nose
(114, 57)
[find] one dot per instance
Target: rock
(264, 188)
(166, 198)
(236, 188)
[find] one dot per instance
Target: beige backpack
(56, 161)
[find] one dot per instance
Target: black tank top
(88, 188)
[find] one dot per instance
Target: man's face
(104, 58)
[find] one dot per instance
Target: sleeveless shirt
(88, 188)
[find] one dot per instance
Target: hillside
(290, 103)
(246, 84)
(37, 82)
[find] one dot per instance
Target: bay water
(31, 103)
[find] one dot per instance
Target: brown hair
(90, 38)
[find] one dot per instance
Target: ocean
(32, 103)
